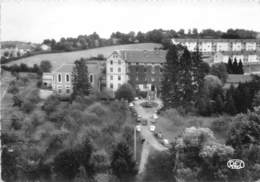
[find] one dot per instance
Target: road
(150, 140)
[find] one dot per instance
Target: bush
(98, 109)
(220, 124)
(27, 106)
(13, 89)
(126, 92)
(51, 104)
(45, 66)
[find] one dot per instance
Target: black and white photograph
(130, 90)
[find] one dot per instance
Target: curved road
(150, 140)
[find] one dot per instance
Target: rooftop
(214, 40)
(155, 56)
(233, 78)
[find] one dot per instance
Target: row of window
(118, 77)
(112, 85)
(111, 70)
(111, 62)
(67, 78)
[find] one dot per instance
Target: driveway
(150, 140)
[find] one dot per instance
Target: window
(91, 78)
(111, 69)
(145, 70)
(111, 85)
(111, 77)
(119, 69)
(59, 91)
(119, 61)
(67, 90)
(59, 77)
(111, 62)
(119, 77)
(67, 78)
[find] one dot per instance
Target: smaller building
(45, 47)
(60, 80)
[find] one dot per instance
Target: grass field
(172, 125)
(69, 57)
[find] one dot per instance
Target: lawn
(57, 59)
(172, 124)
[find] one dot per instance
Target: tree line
(192, 85)
(156, 36)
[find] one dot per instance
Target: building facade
(143, 69)
(60, 80)
(220, 50)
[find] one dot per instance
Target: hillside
(69, 57)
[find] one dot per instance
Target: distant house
(235, 79)
(60, 80)
(45, 47)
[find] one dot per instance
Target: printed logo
(235, 164)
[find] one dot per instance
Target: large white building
(141, 68)
(220, 50)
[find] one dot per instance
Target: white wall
(118, 70)
(222, 46)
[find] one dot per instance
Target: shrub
(126, 92)
(27, 106)
(45, 66)
(98, 109)
(13, 89)
(51, 104)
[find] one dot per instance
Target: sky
(34, 21)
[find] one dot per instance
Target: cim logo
(235, 164)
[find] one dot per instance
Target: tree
(219, 70)
(160, 167)
(235, 67)
(126, 92)
(230, 106)
(230, 66)
(66, 164)
(122, 164)
(240, 68)
(50, 104)
(182, 77)
(45, 66)
(80, 79)
(256, 101)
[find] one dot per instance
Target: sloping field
(69, 57)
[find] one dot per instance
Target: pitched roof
(135, 56)
(65, 68)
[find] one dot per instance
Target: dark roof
(232, 78)
(156, 56)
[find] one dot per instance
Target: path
(150, 140)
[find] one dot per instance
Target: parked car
(155, 116)
(131, 104)
(144, 122)
(152, 128)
